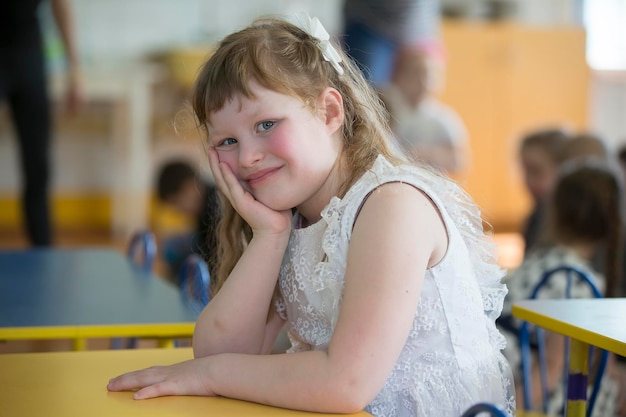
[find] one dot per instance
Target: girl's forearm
(234, 320)
(303, 381)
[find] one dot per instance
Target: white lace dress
(452, 357)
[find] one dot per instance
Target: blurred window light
(605, 22)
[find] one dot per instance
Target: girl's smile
(260, 176)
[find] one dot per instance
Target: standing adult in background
(374, 30)
(23, 84)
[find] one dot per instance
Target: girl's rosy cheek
(281, 144)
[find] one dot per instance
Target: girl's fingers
(152, 391)
(235, 190)
(184, 378)
(136, 379)
(214, 163)
(227, 181)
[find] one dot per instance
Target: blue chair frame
(194, 282)
(525, 342)
(142, 249)
(492, 409)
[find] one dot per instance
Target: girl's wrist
(272, 239)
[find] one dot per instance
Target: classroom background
(511, 66)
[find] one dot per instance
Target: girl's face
(281, 152)
(539, 172)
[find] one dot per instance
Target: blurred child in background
(426, 129)
(180, 186)
(540, 155)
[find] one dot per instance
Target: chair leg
(166, 343)
(577, 384)
(80, 344)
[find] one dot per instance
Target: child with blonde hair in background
(379, 269)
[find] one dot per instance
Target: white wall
(119, 29)
(607, 109)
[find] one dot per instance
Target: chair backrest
(492, 409)
(194, 282)
(570, 273)
(142, 249)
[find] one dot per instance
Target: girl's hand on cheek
(185, 378)
(262, 219)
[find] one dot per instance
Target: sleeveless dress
(452, 357)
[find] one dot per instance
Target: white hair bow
(314, 27)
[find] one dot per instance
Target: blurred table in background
(86, 293)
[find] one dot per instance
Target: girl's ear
(331, 105)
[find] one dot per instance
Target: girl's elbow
(353, 407)
(199, 351)
(205, 338)
(352, 396)
(351, 403)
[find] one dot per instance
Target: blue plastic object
(492, 409)
(142, 249)
(195, 281)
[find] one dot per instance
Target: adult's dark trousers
(23, 85)
(374, 52)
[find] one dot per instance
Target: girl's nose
(250, 153)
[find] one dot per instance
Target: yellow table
(68, 384)
(598, 322)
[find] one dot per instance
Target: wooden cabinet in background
(505, 80)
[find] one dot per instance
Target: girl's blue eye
(228, 141)
(263, 126)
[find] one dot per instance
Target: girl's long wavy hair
(283, 58)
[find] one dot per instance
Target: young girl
(585, 212)
(383, 276)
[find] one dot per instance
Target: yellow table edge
(104, 331)
(570, 330)
(46, 332)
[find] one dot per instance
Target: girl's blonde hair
(283, 58)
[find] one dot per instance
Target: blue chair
(142, 249)
(492, 410)
(525, 342)
(194, 282)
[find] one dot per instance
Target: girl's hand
(184, 378)
(262, 219)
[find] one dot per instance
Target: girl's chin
(275, 205)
